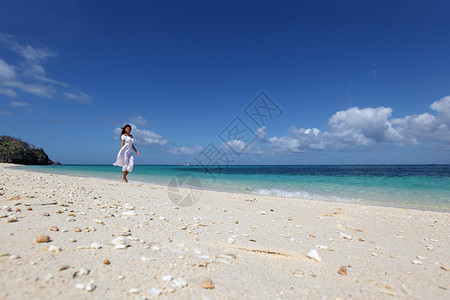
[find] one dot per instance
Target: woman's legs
(124, 176)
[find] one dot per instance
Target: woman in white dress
(125, 157)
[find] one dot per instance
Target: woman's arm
(135, 150)
(123, 142)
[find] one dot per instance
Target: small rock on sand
(207, 283)
(43, 239)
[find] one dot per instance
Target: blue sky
(355, 82)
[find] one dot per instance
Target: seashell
(207, 283)
(90, 286)
(80, 286)
(14, 257)
(134, 291)
(343, 270)
(179, 282)
(77, 229)
(155, 292)
(62, 268)
(95, 245)
(231, 241)
(83, 272)
(12, 219)
(43, 239)
(120, 247)
(322, 247)
(53, 228)
(98, 221)
(346, 236)
(120, 241)
(420, 257)
(262, 212)
(167, 278)
(313, 254)
(416, 262)
(54, 248)
(445, 268)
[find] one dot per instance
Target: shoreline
(368, 203)
(249, 246)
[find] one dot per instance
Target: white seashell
(346, 236)
(179, 282)
(155, 292)
(128, 213)
(80, 286)
(54, 248)
(421, 257)
(95, 245)
(134, 291)
(120, 240)
(322, 247)
(416, 262)
(167, 278)
(13, 257)
(313, 254)
(120, 247)
(148, 258)
(231, 241)
(156, 248)
(128, 206)
(90, 286)
(83, 272)
(262, 212)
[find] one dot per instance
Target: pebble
(77, 229)
(207, 283)
(14, 257)
(43, 239)
(106, 262)
(53, 228)
(313, 254)
(80, 286)
(72, 240)
(62, 268)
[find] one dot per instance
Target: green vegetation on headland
(16, 151)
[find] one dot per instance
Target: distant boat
(186, 164)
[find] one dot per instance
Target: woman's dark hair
(123, 129)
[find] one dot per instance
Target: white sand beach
(225, 246)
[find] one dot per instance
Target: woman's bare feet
(125, 180)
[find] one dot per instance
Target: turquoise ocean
(424, 187)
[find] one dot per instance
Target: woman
(125, 157)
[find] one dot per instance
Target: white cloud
(241, 147)
(185, 150)
(299, 140)
(142, 136)
(261, 132)
(7, 72)
(8, 92)
(4, 113)
(18, 104)
(139, 120)
(368, 127)
(29, 75)
(81, 97)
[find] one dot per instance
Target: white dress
(125, 157)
